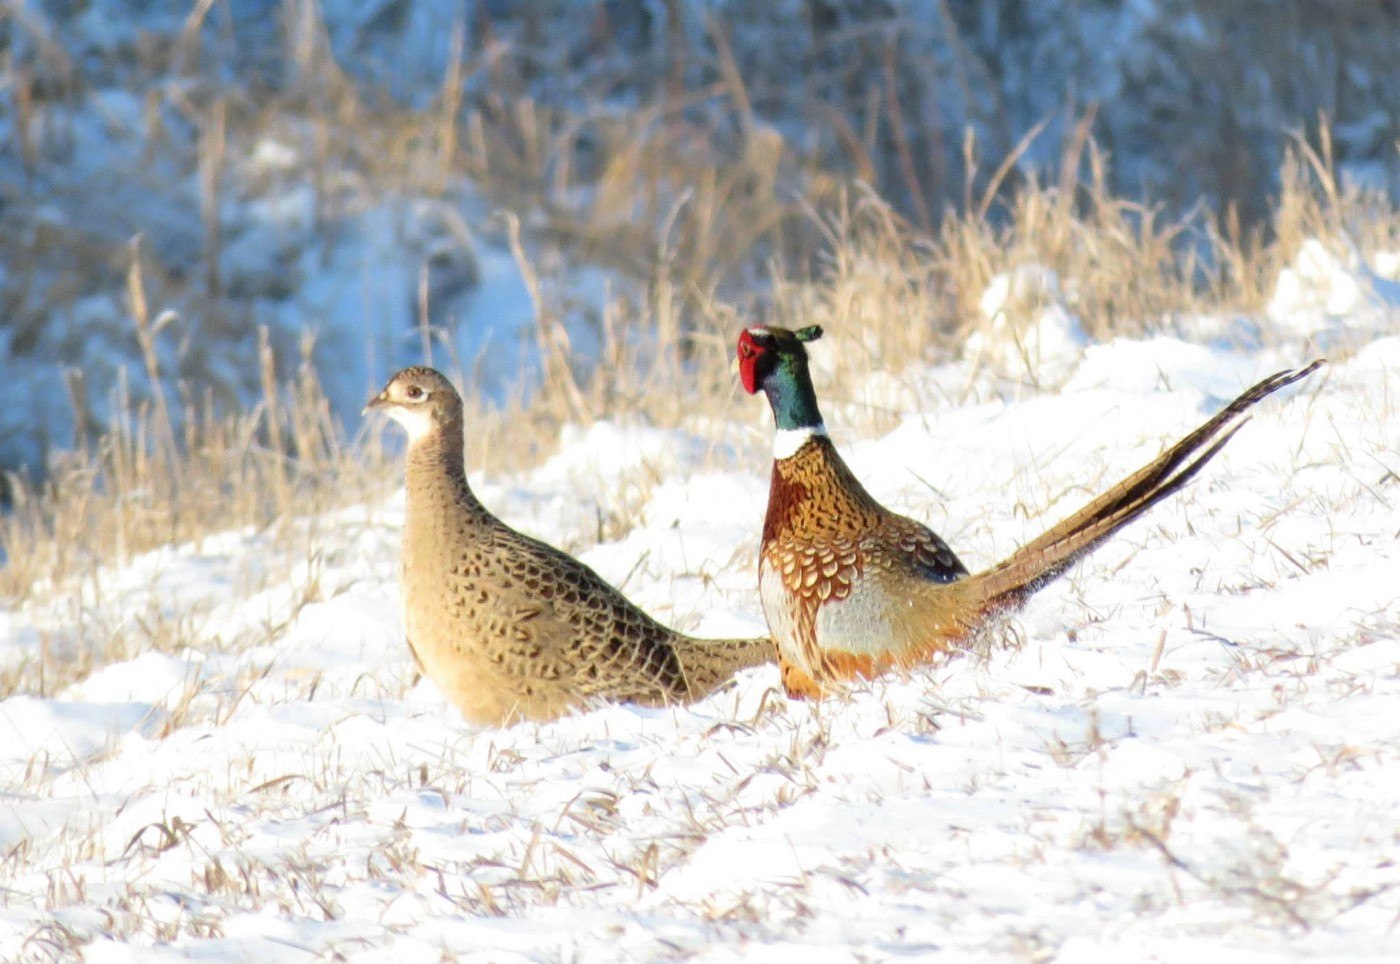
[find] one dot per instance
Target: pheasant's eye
(746, 350)
(415, 393)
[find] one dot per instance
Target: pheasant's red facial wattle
(749, 353)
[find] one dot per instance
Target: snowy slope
(1195, 748)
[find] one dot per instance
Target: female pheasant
(508, 627)
(851, 589)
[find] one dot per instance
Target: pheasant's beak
(376, 403)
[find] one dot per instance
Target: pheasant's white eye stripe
(786, 441)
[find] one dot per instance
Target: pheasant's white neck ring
(786, 441)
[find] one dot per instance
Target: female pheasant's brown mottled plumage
(851, 589)
(511, 628)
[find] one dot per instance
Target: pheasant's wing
(914, 547)
(572, 621)
(851, 597)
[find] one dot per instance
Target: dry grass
(173, 471)
(716, 231)
(714, 226)
(142, 485)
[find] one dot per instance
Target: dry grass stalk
(691, 220)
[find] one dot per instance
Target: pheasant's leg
(835, 665)
(798, 684)
(838, 664)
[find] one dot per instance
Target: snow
(1191, 751)
(1193, 748)
(1323, 293)
(1045, 347)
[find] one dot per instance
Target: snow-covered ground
(1196, 747)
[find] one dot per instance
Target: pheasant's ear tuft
(810, 333)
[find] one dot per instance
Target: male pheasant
(510, 628)
(851, 589)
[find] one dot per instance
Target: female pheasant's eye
(414, 393)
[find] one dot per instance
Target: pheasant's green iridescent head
(774, 360)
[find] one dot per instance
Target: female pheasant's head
(420, 399)
(774, 360)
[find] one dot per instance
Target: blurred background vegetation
(223, 222)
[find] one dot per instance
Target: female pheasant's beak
(376, 403)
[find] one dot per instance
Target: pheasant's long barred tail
(1053, 552)
(850, 588)
(708, 663)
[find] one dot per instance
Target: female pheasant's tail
(707, 664)
(1009, 583)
